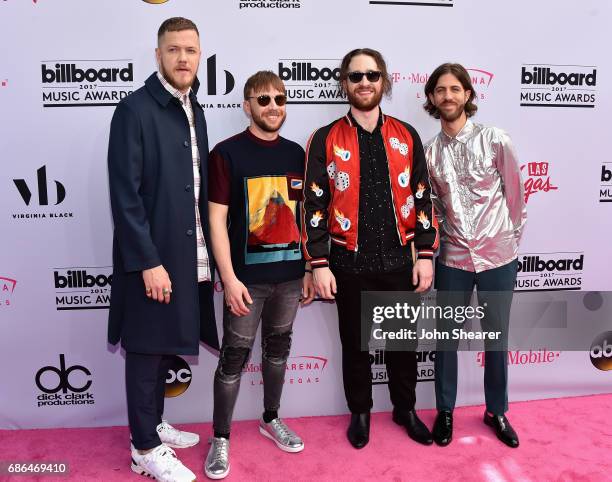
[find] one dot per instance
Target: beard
(452, 116)
(364, 105)
(265, 125)
(173, 81)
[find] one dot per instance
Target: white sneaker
(175, 438)
(162, 464)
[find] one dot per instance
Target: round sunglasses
(371, 75)
(263, 100)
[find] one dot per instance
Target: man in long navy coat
(163, 267)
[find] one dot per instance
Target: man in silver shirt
(479, 199)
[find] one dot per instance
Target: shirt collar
(379, 123)
(175, 92)
(462, 136)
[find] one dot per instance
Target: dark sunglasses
(264, 100)
(371, 75)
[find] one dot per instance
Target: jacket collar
(161, 94)
(350, 120)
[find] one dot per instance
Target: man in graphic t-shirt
(255, 183)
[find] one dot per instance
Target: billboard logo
(605, 189)
(312, 81)
(82, 288)
(547, 85)
(85, 83)
(549, 271)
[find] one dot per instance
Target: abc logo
(64, 382)
(601, 351)
(178, 378)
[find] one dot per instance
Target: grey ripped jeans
(276, 305)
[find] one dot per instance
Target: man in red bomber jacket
(367, 190)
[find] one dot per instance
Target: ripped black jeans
(276, 306)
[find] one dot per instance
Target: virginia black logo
(82, 288)
(601, 351)
(47, 195)
(85, 83)
(75, 379)
(312, 81)
(179, 377)
(549, 271)
(43, 195)
(544, 85)
(211, 77)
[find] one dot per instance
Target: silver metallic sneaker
(284, 438)
(217, 461)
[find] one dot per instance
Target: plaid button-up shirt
(203, 261)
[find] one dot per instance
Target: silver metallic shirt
(478, 195)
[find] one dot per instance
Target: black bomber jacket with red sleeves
(331, 190)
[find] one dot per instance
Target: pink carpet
(561, 440)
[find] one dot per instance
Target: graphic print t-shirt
(261, 183)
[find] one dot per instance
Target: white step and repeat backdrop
(56, 100)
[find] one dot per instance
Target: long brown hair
(462, 76)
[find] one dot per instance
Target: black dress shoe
(416, 429)
(358, 432)
(503, 429)
(443, 428)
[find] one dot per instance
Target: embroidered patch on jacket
(404, 177)
(342, 153)
(345, 223)
(424, 220)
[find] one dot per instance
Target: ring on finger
(165, 291)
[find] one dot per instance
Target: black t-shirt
(261, 183)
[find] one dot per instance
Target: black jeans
(145, 383)
(276, 305)
(356, 369)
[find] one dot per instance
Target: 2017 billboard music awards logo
(536, 178)
(64, 385)
(7, 287)
(425, 366)
(312, 81)
(82, 288)
(274, 4)
(178, 378)
(481, 81)
(601, 351)
(549, 85)
(549, 271)
(529, 357)
(605, 189)
(41, 193)
(301, 370)
(86, 83)
(219, 82)
(421, 3)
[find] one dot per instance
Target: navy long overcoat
(152, 199)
